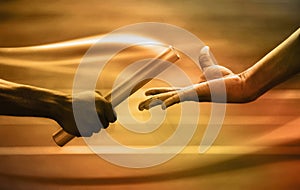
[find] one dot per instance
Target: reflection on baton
(129, 86)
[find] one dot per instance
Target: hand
(212, 75)
(104, 110)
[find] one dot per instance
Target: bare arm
(24, 100)
(277, 66)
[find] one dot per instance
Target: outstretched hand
(211, 73)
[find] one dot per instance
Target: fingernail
(204, 50)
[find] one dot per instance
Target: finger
(74, 130)
(145, 104)
(202, 78)
(175, 99)
(97, 91)
(110, 114)
(86, 134)
(98, 130)
(205, 58)
(155, 91)
(115, 116)
(153, 101)
(188, 93)
(76, 133)
(103, 121)
(87, 131)
(142, 105)
(105, 108)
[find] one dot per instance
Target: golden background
(258, 147)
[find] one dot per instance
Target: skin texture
(277, 66)
(24, 100)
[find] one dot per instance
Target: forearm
(24, 100)
(276, 67)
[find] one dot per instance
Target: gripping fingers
(104, 121)
(110, 114)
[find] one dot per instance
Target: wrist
(249, 88)
(58, 105)
(40, 102)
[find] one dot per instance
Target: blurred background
(238, 32)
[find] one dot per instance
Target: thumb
(206, 59)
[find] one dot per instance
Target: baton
(120, 93)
